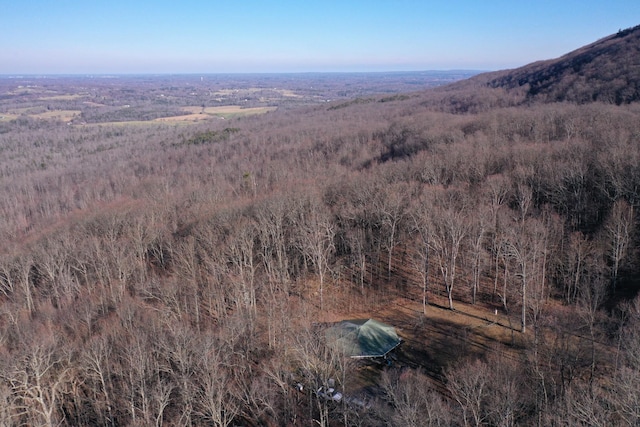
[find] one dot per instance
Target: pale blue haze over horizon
(162, 36)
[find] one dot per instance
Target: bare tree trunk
(620, 230)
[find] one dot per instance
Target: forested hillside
(172, 274)
(605, 71)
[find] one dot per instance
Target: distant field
(193, 114)
(223, 112)
(254, 90)
(64, 115)
(61, 97)
(25, 110)
(185, 118)
(6, 117)
(93, 104)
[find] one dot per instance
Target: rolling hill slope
(607, 70)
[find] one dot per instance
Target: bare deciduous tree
(39, 379)
(619, 229)
(468, 385)
(527, 250)
(391, 204)
(241, 250)
(421, 256)
(216, 398)
(414, 400)
(450, 228)
(317, 232)
(96, 364)
(274, 240)
(477, 236)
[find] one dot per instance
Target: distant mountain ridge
(605, 71)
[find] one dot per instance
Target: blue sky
(189, 36)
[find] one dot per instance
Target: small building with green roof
(363, 338)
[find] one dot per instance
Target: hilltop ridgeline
(607, 70)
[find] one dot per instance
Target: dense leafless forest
(163, 262)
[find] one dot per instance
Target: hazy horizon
(192, 37)
(238, 74)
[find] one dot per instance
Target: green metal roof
(363, 338)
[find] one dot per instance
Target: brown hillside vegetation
(182, 273)
(605, 71)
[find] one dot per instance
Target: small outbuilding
(363, 338)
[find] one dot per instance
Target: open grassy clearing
(25, 110)
(148, 123)
(432, 342)
(227, 92)
(22, 90)
(262, 95)
(254, 90)
(61, 97)
(195, 114)
(34, 113)
(442, 338)
(64, 115)
(186, 121)
(93, 104)
(6, 117)
(224, 112)
(236, 111)
(196, 117)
